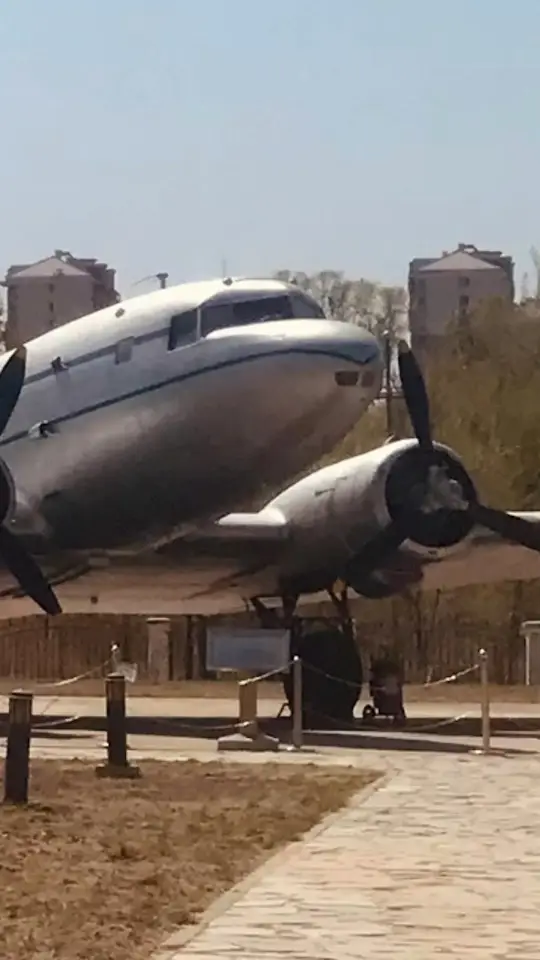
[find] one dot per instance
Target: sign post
(248, 651)
(244, 650)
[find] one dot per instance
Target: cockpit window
(305, 308)
(183, 329)
(240, 312)
(258, 311)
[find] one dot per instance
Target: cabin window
(183, 329)
(124, 350)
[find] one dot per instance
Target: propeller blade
(373, 553)
(26, 572)
(514, 529)
(415, 394)
(11, 382)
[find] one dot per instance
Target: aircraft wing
(265, 527)
(484, 558)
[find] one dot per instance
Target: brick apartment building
(442, 288)
(53, 291)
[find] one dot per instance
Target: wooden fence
(435, 635)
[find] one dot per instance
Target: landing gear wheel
(332, 677)
(369, 712)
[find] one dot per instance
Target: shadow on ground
(362, 738)
(208, 727)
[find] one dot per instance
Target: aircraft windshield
(235, 314)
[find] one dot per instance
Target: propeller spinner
(18, 561)
(386, 542)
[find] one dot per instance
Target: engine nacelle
(337, 510)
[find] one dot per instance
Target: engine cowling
(353, 501)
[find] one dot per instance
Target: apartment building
(450, 286)
(53, 291)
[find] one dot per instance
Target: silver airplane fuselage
(123, 436)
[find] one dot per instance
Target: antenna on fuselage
(162, 277)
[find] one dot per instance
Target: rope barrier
(269, 673)
(431, 683)
(452, 677)
(235, 725)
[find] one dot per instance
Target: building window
(464, 282)
(123, 350)
(463, 304)
(183, 329)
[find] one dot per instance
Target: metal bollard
(117, 762)
(484, 700)
(297, 731)
(17, 762)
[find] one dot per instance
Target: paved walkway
(443, 860)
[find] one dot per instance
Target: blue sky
(348, 134)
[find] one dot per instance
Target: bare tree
(380, 309)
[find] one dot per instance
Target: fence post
(159, 652)
(248, 735)
(484, 703)
(248, 704)
(17, 762)
(117, 762)
(297, 731)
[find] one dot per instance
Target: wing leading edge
(484, 558)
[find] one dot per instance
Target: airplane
(122, 489)
(122, 429)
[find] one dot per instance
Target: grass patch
(103, 870)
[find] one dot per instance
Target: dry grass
(103, 870)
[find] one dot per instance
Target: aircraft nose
(344, 341)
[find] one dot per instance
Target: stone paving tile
(443, 860)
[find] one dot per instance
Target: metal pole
(117, 764)
(388, 368)
(484, 695)
(17, 759)
(297, 732)
(527, 660)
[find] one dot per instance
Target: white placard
(250, 650)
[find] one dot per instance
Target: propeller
(18, 561)
(386, 542)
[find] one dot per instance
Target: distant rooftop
(458, 260)
(48, 267)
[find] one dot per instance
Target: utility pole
(388, 373)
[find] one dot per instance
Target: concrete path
(443, 860)
(54, 704)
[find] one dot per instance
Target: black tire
(332, 687)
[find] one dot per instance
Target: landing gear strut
(332, 674)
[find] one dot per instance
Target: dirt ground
(201, 689)
(104, 869)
